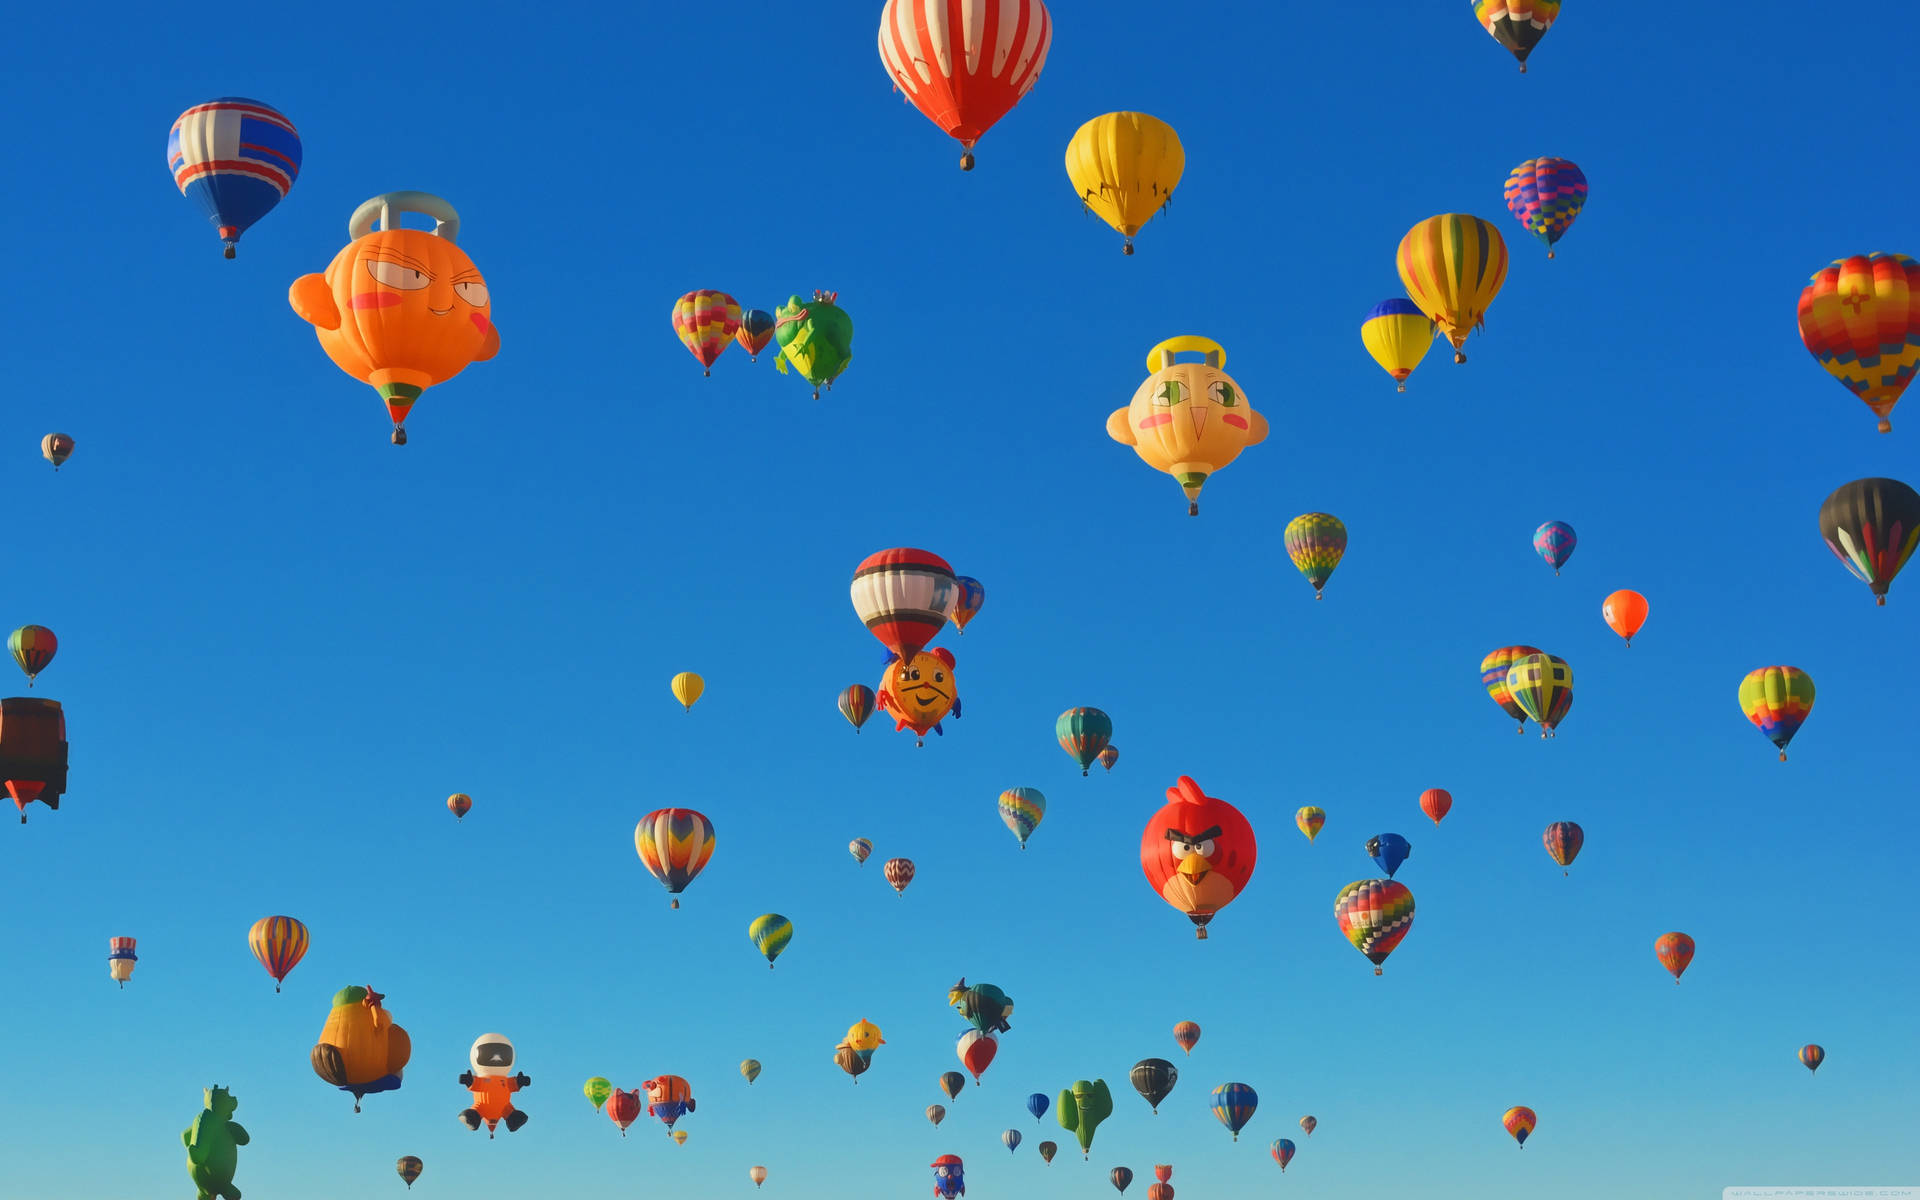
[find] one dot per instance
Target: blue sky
(284, 642)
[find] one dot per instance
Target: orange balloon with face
(401, 309)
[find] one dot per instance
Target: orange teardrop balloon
(1626, 612)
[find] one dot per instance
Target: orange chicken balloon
(401, 309)
(361, 1050)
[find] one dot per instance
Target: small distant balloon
(1811, 1056)
(899, 873)
(1121, 1177)
(1519, 1121)
(1554, 542)
(1047, 1151)
(408, 1167)
(1308, 1125)
(1436, 803)
(56, 448)
(597, 1090)
(1038, 1104)
(1187, 1034)
(770, 933)
(936, 1113)
(1778, 701)
(459, 804)
(857, 704)
(1233, 1106)
(1021, 809)
(1315, 542)
(951, 1082)
(750, 1069)
(1282, 1152)
(1624, 612)
(687, 688)
(1388, 851)
(860, 848)
(120, 959)
(756, 330)
(1109, 756)
(1563, 840)
(1010, 1139)
(33, 647)
(1310, 819)
(973, 595)
(757, 1174)
(1083, 734)
(1675, 951)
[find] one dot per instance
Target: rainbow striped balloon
(706, 321)
(1022, 808)
(1453, 266)
(279, 943)
(237, 157)
(674, 845)
(1778, 701)
(1375, 915)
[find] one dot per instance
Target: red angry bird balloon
(1198, 853)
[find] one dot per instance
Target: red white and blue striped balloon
(237, 157)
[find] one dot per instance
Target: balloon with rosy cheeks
(400, 309)
(1188, 419)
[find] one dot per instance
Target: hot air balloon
(1083, 734)
(279, 943)
(1778, 701)
(984, 1006)
(400, 309)
(1037, 1104)
(120, 959)
(1121, 1177)
(1125, 166)
(1542, 685)
(1163, 1172)
(669, 1097)
(1160, 1191)
(409, 1167)
(56, 448)
(1624, 612)
(1315, 542)
(1436, 803)
(1388, 851)
(936, 1113)
(1198, 853)
(1545, 195)
(674, 845)
(964, 66)
(899, 873)
(597, 1090)
(860, 848)
(1452, 266)
(1872, 525)
(951, 1082)
(972, 597)
(976, 1048)
(679, 1137)
(750, 1070)
(857, 703)
(1563, 840)
(1374, 914)
(1154, 1078)
(360, 1049)
(1308, 1125)
(459, 804)
(1554, 542)
(687, 688)
(1022, 809)
(1493, 677)
(1398, 335)
(1811, 1056)
(905, 597)
(756, 330)
(1310, 819)
(1519, 1122)
(1047, 1151)
(213, 1144)
(1860, 318)
(770, 933)
(1080, 1109)
(816, 336)
(757, 1174)
(1517, 24)
(1282, 1152)
(238, 158)
(1010, 1139)
(705, 322)
(33, 751)
(918, 694)
(1233, 1105)
(1187, 1034)
(1109, 756)
(623, 1109)
(1675, 951)
(1187, 420)
(33, 647)
(492, 1080)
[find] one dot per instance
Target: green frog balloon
(816, 336)
(213, 1144)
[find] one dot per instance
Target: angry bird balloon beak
(1194, 867)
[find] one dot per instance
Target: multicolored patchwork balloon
(1083, 734)
(1310, 819)
(1493, 677)
(1452, 266)
(1872, 525)
(1517, 24)
(1022, 809)
(1675, 951)
(972, 596)
(1860, 319)
(1375, 915)
(1315, 542)
(1519, 1121)
(1546, 194)
(1554, 542)
(1398, 335)
(1777, 700)
(674, 845)
(1563, 840)
(1233, 1105)
(1542, 685)
(706, 321)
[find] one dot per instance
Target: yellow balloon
(687, 688)
(1125, 166)
(1188, 419)
(1453, 266)
(1398, 336)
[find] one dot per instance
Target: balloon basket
(1459, 356)
(673, 904)
(1379, 971)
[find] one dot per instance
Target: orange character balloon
(493, 1083)
(919, 693)
(401, 309)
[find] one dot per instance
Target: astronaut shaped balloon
(493, 1081)
(401, 309)
(1198, 853)
(920, 693)
(949, 1176)
(1188, 419)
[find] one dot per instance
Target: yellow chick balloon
(1188, 419)
(687, 688)
(864, 1036)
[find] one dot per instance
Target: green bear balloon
(1081, 1108)
(213, 1144)
(816, 336)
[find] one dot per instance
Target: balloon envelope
(1154, 1078)
(1675, 951)
(1310, 819)
(1388, 851)
(964, 66)
(1315, 542)
(1624, 612)
(1452, 266)
(1872, 526)
(1778, 701)
(1125, 165)
(1375, 915)
(1519, 1122)
(1563, 840)
(1860, 319)
(237, 158)
(1436, 803)
(1398, 335)
(1233, 1106)
(1555, 542)
(1545, 195)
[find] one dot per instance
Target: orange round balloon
(1626, 612)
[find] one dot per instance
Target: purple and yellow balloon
(1545, 195)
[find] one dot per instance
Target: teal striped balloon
(1083, 733)
(770, 933)
(1022, 808)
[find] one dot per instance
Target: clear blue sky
(284, 642)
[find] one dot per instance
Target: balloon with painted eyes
(920, 692)
(1198, 852)
(949, 1176)
(816, 336)
(1080, 1109)
(1188, 420)
(400, 309)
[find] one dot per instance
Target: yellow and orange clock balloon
(1188, 420)
(1452, 266)
(400, 309)
(1125, 166)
